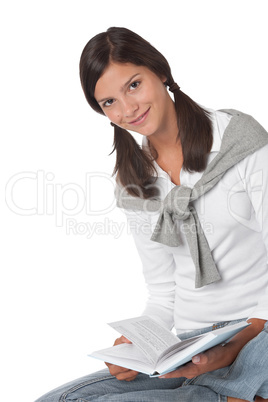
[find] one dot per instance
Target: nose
(129, 107)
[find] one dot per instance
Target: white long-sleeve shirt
(234, 217)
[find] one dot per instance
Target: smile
(140, 119)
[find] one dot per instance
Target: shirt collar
(220, 121)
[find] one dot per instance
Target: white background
(60, 285)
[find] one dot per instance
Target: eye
(134, 85)
(109, 102)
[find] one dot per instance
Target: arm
(158, 268)
(254, 169)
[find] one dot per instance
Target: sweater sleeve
(158, 268)
(255, 174)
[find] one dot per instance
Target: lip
(140, 119)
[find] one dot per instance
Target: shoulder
(241, 118)
(243, 135)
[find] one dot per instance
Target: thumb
(125, 340)
(201, 358)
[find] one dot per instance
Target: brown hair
(133, 166)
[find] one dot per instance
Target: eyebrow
(124, 86)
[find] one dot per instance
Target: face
(134, 98)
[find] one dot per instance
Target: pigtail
(195, 130)
(133, 166)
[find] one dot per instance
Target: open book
(155, 350)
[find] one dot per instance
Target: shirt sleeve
(158, 268)
(255, 172)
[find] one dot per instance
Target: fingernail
(196, 359)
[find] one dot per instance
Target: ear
(164, 80)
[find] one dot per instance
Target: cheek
(112, 115)
(154, 95)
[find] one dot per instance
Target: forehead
(116, 75)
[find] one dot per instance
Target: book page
(125, 355)
(179, 346)
(147, 335)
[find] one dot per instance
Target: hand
(121, 373)
(212, 359)
(219, 356)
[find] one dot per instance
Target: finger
(132, 378)
(127, 376)
(115, 370)
(121, 373)
(120, 340)
(125, 340)
(189, 370)
(201, 358)
(212, 357)
(172, 374)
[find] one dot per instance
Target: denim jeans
(244, 379)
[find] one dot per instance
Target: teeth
(140, 117)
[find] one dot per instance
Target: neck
(166, 139)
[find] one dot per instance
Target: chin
(146, 131)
